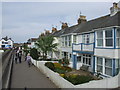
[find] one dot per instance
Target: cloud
(24, 20)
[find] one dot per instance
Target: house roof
(102, 22)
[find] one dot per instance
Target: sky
(24, 20)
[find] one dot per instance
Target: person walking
(28, 59)
(16, 57)
(20, 56)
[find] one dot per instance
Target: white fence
(62, 83)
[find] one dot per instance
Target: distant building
(6, 42)
(31, 42)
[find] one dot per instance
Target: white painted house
(98, 45)
(6, 42)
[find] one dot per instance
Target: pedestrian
(16, 57)
(20, 56)
(28, 59)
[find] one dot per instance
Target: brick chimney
(114, 9)
(42, 34)
(64, 25)
(47, 32)
(82, 19)
(54, 29)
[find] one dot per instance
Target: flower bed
(63, 70)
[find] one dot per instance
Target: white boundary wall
(62, 83)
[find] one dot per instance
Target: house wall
(110, 53)
(10, 42)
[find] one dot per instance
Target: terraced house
(98, 44)
(94, 43)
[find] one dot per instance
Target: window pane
(100, 34)
(108, 71)
(118, 32)
(109, 42)
(108, 62)
(100, 42)
(99, 61)
(118, 42)
(108, 33)
(99, 68)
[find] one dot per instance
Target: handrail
(7, 70)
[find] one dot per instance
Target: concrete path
(29, 77)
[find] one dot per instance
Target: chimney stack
(82, 19)
(47, 32)
(114, 9)
(54, 29)
(64, 25)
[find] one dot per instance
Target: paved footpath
(29, 77)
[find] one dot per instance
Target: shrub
(57, 65)
(34, 53)
(59, 70)
(77, 79)
(50, 65)
(66, 68)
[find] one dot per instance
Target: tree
(34, 53)
(45, 44)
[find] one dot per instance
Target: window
(65, 40)
(105, 38)
(109, 38)
(117, 66)
(87, 59)
(99, 64)
(108, 67)
(62, 41)
(118, 38)
(74, 38)
(86, 38)
(79, 58)
(69, 40)
(99, 38)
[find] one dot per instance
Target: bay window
(99, 64)
(108, 67)
(109, 37)
(117, 66)
(104, 38)
(100, 38)
(118, 38)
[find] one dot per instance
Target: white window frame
(69, 40)
(85, 37)
(104, 39)
(86, 57)
(117, 38)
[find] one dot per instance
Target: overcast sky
(24, 20)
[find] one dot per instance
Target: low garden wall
(62, 83)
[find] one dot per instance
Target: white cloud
(22, 21)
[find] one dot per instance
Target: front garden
(70, 74)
